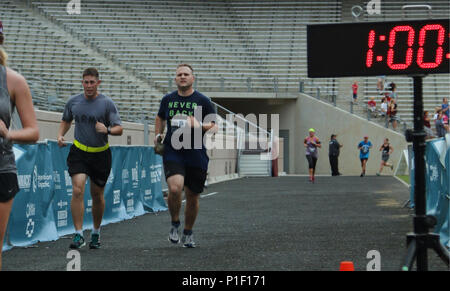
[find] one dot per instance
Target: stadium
(250, 57)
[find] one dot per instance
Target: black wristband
(109, 131)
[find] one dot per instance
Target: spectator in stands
(384, 107)
(386, 150)
(355, 92)
(436, 113)
(439, 123)
(185, 167)
(392, 112)
(14, 92)
(372, 105)
(96, 116)
(393, 91)
(312, 144)
(444, 107)
(427, 125)
(364, 148)
(445, 122)
(380, 85)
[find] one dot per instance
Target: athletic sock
(176, 223)
(96, 231)
(80, 232)
(187, 231)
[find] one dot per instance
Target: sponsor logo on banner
(89, 206)
(135, 177)
(30, 212)
(130, 202)
(35, 175)
(67, 178)
(116, 197)
(30, 228)
(155, 174)
(62, 214)
(148, 194)
(57, 180)
(24, 182)
(125, 176)
(110, 178)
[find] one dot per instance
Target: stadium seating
(234, 46)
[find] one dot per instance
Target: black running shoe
(78, 242)
(95, 241)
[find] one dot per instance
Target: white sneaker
(188, 241)
(173, 235)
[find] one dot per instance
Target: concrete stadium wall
(286, 108)
(298, 115)
(350, 129)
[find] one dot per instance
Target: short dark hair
(186, 65)
(91, 72)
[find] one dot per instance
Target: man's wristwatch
(109, 130)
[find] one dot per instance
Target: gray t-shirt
(86, 113)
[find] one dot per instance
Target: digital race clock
(378, 48)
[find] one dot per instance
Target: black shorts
(96, 165)
(194, 178)
(8, 186)
(312, 161)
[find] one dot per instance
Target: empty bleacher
(233, 45)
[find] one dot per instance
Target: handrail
(404, 7)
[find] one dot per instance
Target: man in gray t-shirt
(96, 117)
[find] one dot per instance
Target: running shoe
(378, 174)
(95, 241)
(188, 241)
(78, 242)
(173, 235)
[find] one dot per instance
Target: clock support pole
(421, 239)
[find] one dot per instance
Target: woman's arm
(21, 97)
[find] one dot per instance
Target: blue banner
(41, 209)
(437, 180)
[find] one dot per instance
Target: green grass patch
(405, 178)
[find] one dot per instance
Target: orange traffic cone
(347, 266)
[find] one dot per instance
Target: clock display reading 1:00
(378, 48)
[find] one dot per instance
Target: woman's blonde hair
(3, 55)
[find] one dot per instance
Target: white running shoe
(188, 241)
(173, 235)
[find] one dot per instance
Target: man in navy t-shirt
(188, 115)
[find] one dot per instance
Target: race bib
(178, 122)
(365, 149)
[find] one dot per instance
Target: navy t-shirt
(182, 144)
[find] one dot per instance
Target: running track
(256, 224)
